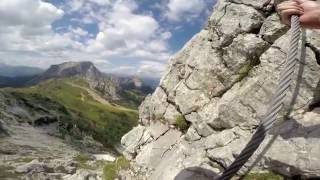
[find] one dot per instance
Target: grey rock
(34, 166)
(152, 153)
(272, 28)
(195, 173)
(145, 112)
(83, 175)
(192, 134)
(220, 139)
(202, 127)
(312, 38)
(189, 100)
(210, 112)
(47, 176)
(3, 131)
(230, 19)
(157, 129)
(154, 107)
(297, 146)
(133, 140)
(222, 82)
(258, 4)
(171, 114)
(222, 154)
(241, 56)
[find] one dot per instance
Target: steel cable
(275, 106)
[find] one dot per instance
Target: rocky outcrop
(221, 82)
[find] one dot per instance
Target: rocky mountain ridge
(110, 86)
(217, 88)
(85, 70)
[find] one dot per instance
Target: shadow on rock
(3, 132)
(293, 129)
(195, 173)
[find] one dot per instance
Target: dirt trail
(98, 98)
(93, 94)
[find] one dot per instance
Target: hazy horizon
(39, 69)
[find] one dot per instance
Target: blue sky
(119, 36)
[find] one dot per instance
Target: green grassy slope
(107, 123)
(132, 98)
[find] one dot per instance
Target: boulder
(34, 166)
(83, 175)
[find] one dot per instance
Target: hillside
(215, 92)
(18, 71)
(14, 81)
(106, 122)
(68, 114)
(59, 129)
(125, 90)
(42, 139)
(101, 105)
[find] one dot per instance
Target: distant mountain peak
(108, 85)
(84, 69)
(72, 64)
(69, 69)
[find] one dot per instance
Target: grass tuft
(82, 159)
(263, 176)
(181, 123)
(111, 170)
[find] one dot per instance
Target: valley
(66, 123)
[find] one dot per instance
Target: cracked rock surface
(221, 83)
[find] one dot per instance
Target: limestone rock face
(221, 82)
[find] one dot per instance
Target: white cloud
(101, 2)
(26, 24)
(151, 68)
(127, 34)
(144, 69)
(26, 35)
(28, 38)
(31, 13)
(79, 31)
(178, 10)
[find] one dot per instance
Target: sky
(134, 37)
